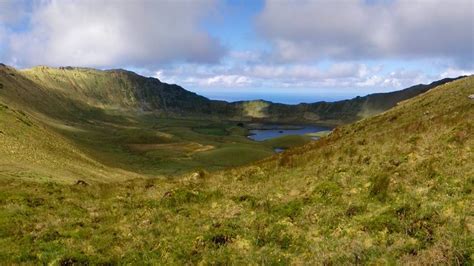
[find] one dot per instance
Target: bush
(289, 209)
(182, 196)
(379, 187)
(329, 191)
(286, 161)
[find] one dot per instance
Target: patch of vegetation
(286, 142)
(379, 186)
(216, 130)
(320, 134)
(233, 155)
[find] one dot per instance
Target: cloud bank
(355, 29)
(104, 33)
(337, 76)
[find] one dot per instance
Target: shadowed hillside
(342, 112)
(395, 188)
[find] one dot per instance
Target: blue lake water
(275, 131)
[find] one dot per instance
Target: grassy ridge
(101, 94)
(395, 188)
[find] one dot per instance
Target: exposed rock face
(471, 96)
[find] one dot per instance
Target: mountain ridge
(124, 89)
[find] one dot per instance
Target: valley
(108, 167)
(120, 131)
(126, 122)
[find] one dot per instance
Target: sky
(278, 50)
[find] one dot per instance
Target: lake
(273, 131)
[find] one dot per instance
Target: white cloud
(306, 71)
(398, 79)
(336, 76)
(106, 33)
(456, 72)
(226, 81)
(245, 56)
(358, 29)
(370, 81)
(2, 35)
(3, 40)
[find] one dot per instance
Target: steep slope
(29, 147)
(395, 188)
(80, 93)
(117, 89)
(31, 151)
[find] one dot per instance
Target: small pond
(273, 131)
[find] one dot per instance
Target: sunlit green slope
(30, 148)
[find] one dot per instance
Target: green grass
(234, 155)
(194, 144)
(396, 188)
(216, 130)
(320, 134)
(286, 142)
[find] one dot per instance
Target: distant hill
(346, 111)
(70, 92)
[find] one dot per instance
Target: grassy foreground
(394, 188)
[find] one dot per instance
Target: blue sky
(233, 25)
(283, 51)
